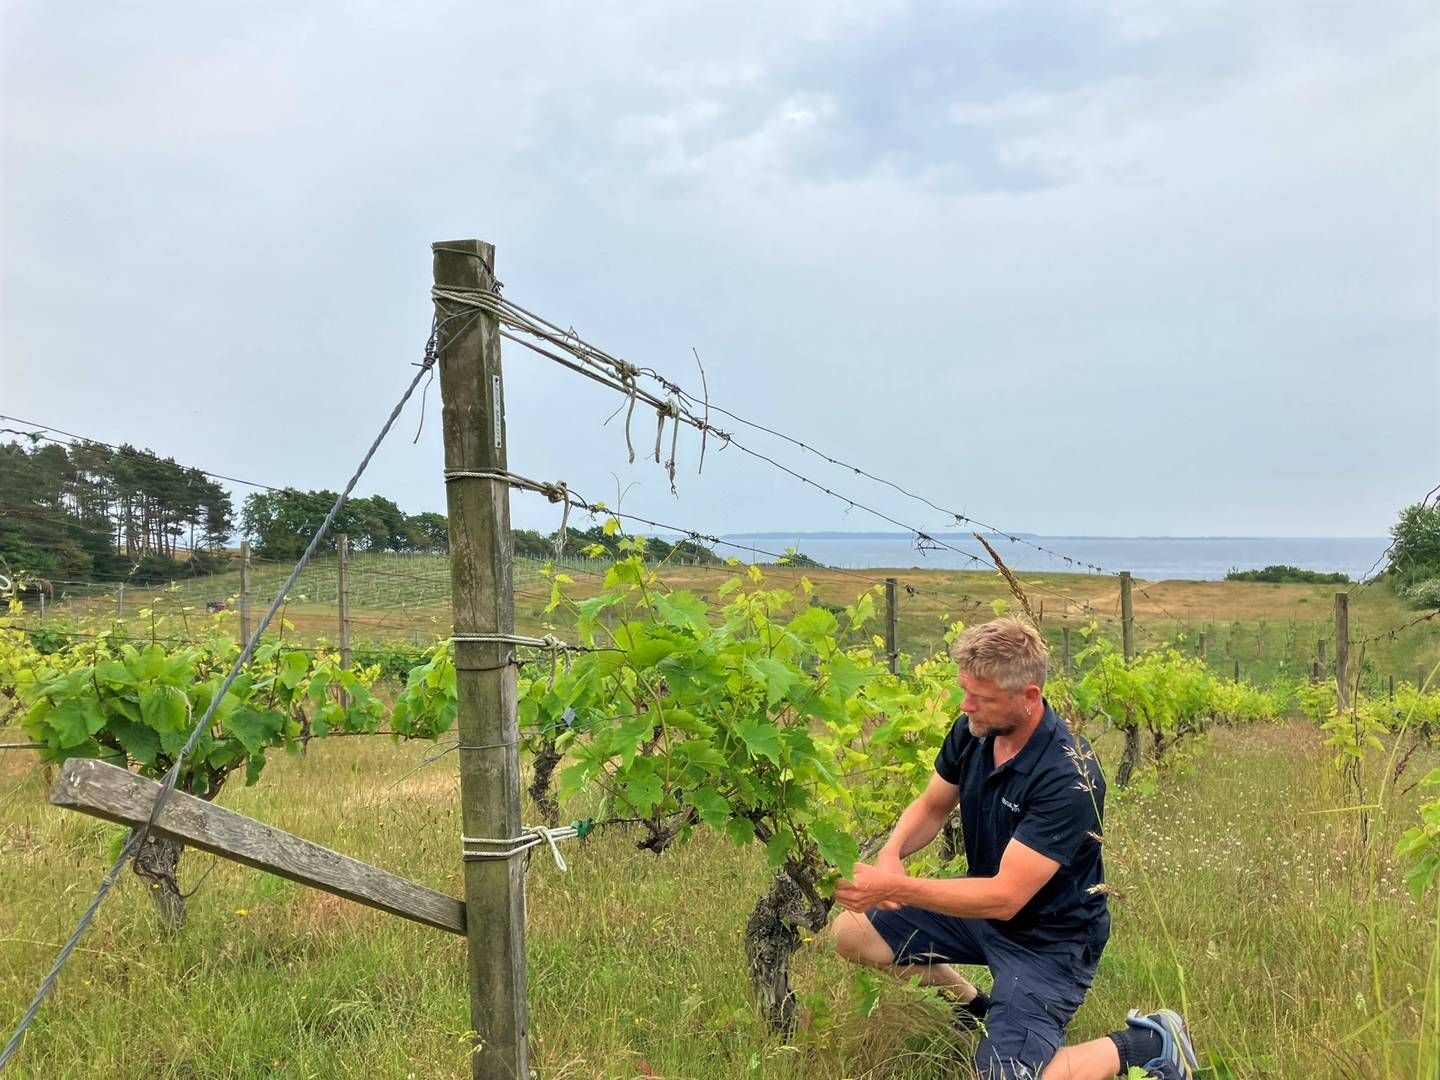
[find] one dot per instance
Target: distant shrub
(1288, 575)
(1424, 594)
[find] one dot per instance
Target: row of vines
(756, 713)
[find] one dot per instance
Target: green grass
(1238, 895)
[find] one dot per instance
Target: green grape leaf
(252, 729)
(813, 625)
(761, 738)
(163, 708)
(779, 678)
(837, 848)
(740, 830)
(644, 791)
(293, 667)
(683, 610)
(779, 847)
(142, 743)
(713, 807)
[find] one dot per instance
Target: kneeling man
(1032, 905)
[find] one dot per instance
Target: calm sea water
(1205, 558)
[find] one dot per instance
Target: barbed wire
(1395, 630)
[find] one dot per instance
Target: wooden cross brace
(115, 794)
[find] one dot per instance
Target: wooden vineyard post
(1130, 758)
(1127, 616)
(1201, 648)
(342, 592)
(244, 592)
(1342, 650)
(120, 601)
(482, 587)
(1392, 687)
(1237, 669)
(42, 604)
(892, 646)
(1065, 650)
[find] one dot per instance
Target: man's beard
(1000, 727)
(1004, 727)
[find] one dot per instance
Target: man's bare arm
(922, 819)
(1023, 872)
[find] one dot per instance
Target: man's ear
(1033, 695)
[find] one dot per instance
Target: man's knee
(857, 940)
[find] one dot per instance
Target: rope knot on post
(531, 836)
(559, 493)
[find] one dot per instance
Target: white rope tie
(553, 645)
(549, 642)
(532, 836)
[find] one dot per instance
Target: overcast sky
(1121, 268)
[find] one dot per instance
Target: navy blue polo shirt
(1051, 797)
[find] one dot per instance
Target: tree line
(91, 512)
(279, 524)
(87, 511)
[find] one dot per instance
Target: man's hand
(870, 887)
(889, 862)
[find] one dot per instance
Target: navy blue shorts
(1035, 994)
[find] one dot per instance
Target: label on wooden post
(499, 415)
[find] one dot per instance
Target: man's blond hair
(1007, 650)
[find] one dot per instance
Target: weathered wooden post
(1200, 649)
(482, 586)
(1237, 669)
(342, 591)
(1065, 650)
(120, 601)
(1342, 650)
(892, 646)
(1127, 616)
(244, 592)
(1130, 757)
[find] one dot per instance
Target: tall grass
(1239, 890)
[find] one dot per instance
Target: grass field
(1240, 897)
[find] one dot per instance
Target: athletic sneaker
(1177, 1054)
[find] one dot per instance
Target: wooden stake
(1342, 649)
(1127, 616)
(482, 587)
(1065, 650)
(342, 589)
(244, 592)
(892, 646)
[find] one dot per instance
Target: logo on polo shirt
(1014, 808)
